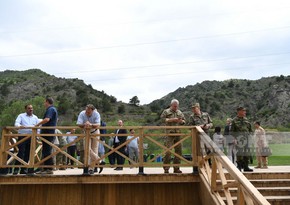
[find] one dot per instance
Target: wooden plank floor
(127, 175)
(108, 176)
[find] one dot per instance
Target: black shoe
(247, 169)
(119, 168)
(3, 171)
(30, 174)
(96, 169)
(86, 171)
(101, 168)
(91, 172)
(23, 171)
(240, 165)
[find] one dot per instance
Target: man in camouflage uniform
(202, 119)
(241, 129)
(173, 117)
(199, 118)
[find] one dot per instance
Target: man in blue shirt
(49, 120)
(23, 121)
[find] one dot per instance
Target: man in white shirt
(90, 118)
(23, 121)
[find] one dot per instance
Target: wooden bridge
(142, 182)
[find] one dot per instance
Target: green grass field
(280, 156)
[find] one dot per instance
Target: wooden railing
(195, 143)
(214, 166)
(151, 136)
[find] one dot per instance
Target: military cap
(239, 108)
(195, 105)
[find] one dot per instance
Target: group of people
(88, 118)
(238, 135)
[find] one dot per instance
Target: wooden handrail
(247, 193)
(198, 140)
(146, 135)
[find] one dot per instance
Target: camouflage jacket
(168, 113)
(200, 120)
(241, 126)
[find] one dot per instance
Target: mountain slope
(267, 99)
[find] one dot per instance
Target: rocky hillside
(71, 95)
(267, 99)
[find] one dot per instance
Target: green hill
(267, 99)
(71, 95)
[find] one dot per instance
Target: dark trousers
(112, 158)
(118, 157)
(6, 170)
(23, 153)
(71, 150)
(47, 150)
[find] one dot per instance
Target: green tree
(10, 113)
(106, 105)
(64, 104)
(121, 109)
(4, 90)
(134, 101)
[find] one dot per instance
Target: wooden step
(270, 182)
(258, 175)
(265, 191)
(273, 200)
(264, 182)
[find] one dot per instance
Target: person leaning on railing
(90, 118)
(173, 117)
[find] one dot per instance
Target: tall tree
(134, 101)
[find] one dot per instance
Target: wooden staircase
(274, 186)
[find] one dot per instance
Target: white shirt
(27, 121)
(116, 137)
(69, 139)
(134, 142)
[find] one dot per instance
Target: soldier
(173, 117)
(199, 118)
(241, 130)
(202, 119)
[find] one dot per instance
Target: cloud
(139, 48)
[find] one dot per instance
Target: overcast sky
(146, 48)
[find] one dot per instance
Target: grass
(280, 156)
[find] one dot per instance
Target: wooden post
(87, 146)
(141, 151)
(4, 145)
(32, 147)
(195, 149)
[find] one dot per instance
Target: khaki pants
(93, 149)
(170, 141)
